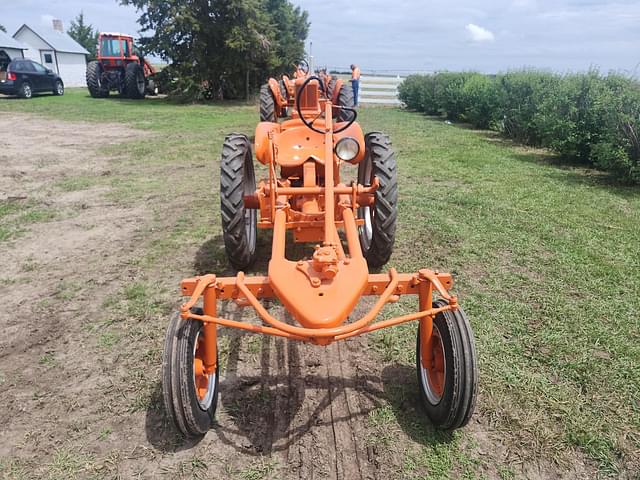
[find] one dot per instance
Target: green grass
(74, 184)
(17, 215)
(261, 469)
(546, 260)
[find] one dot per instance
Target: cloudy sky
(426, 35)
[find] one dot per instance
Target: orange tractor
(119, 67)
(352, 227)
(277, 97)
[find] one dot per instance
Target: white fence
(379, 90)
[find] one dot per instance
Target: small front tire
(190, 396)
(449, 381)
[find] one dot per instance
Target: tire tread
(234, 160)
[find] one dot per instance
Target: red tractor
(119, 67)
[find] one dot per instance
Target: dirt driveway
(83, 319)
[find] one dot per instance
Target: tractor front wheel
(378, 233)
(94, 80)
(237, 179)
(134, 81)
(190, 394)
(447, 369)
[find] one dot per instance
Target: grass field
(546, 260)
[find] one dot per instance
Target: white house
(56, 50)
(10, 47)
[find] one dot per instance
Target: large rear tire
(237, 179)
(94, 80)
(267, 104)
(190, 395)
(134, 81)
(345, 99)
(449, 384)
(378, 233)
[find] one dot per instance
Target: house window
(47, 58)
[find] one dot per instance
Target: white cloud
(479, 34)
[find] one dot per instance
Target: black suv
(25, 77)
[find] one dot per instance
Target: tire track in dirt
(303, 405)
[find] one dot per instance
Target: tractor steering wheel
(323, 89)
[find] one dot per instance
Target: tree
(222, 47)
(291, 30)
(85, 35)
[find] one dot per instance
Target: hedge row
(586, 117)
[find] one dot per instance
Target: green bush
(410, 89)
(571, 112)
(585, 117)
(482, 101)
(449, 87)
(520, 97)
(618, 149)
(418, 93)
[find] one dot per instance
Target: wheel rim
(250, 215)
(434, 375)
(27, 91)
(60, 88)
(204, 383)
(365, 213)
(141, 83)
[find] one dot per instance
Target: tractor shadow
(267, 407)
(272, 394)
(260, 413)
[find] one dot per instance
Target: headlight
(347, 149)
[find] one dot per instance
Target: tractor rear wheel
(285, 95)
(330, 88)
(237, 179)
(378, 233)
(190, 395)
(267, 104)
(134, 81)
(447, 370)
(345, 99)
(94, 80)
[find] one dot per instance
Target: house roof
(9, 42)
(59, 41)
